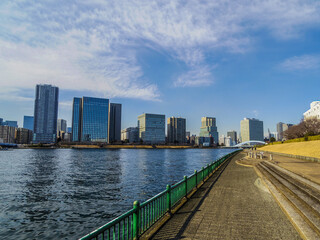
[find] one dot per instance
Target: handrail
(135, 222)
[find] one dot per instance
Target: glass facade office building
(90, 119)
(152, 128)
(28, 122)
(10, 123)
(76, 119)
(45, 114)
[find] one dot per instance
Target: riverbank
(120, 146)
(308, 148)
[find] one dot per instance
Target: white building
(130, 134)
(226, 141)
(314, 110)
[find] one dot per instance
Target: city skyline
(197, 132)
(190, 59)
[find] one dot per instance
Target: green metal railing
(138, 220)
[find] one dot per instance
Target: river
(67, 193)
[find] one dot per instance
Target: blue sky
(224, 59)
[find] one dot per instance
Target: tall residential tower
(45, 114)
(176, 130)
(114, 130)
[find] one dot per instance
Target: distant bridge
(250, 143)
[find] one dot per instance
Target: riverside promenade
(232, 204)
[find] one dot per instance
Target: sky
(224, 59)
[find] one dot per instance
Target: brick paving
(234, 206)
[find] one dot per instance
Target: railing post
(136, 218)
(186, 185)
(208, 170)
(169, 198)
(196, 173)
(202, 173)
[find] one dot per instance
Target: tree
(272, 139)
(305, 128)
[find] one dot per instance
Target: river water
(67, 193)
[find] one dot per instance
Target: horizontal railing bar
(177, 184)
(153, 198)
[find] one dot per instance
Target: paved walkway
(234, 206)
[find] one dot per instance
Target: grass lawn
(308, 148)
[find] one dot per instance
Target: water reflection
(41, 171)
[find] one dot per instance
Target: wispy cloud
(93, 45)
(305, 62)
(197, 77)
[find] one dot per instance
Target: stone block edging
(312, 159)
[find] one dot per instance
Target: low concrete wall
(312, 159)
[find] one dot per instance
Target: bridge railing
(138, 220)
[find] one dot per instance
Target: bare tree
(305, 128)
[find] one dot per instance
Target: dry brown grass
(309, 148)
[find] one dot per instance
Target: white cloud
(304, 62)
(93, 45)
(197, 77)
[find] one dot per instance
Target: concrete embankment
(232, 205)
(295, 184)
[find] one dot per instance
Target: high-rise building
(7, 134)
(1, 121)
(209, 128)
(130, 134)
(90, 119)
(176, 130)
(233, 136)
(10, 123)
(114, 123)
(69, 130)
(251, 129)
(76, 120)
(28, 122)
(45, 114)
(152, 128)
(281, 127)
(61, 127)
(23, 136)
(314, 111)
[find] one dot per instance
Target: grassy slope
(308, 148)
